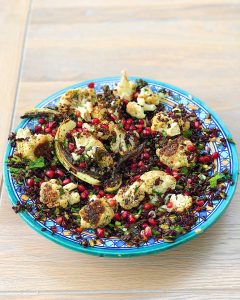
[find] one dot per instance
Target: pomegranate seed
(41, 121)
(131, 219)
(117, 216)
(95, 121)
(81, 188)
(114, 117)
(189, 181)
(54, 229)
(54, 132)
(147, 232)
(66, 181)
(125, 214)
(144, 225)
(96, 187)
(30, 182)
(159, 164)
(104, 126)
(147, 131)
(127, 127)
(129, 121)
(152, 222)
(191, 148)
(205, 158)
(147, 206)
(112, 203)
(200, 203)
(146, 155)
(139, 126)
(175, 174)
(51, 124)
(53, 167)
(59, 173)
(141, 164)
(37, 128)
(139, 130)
(141, 122)
(137, 177)
(212, 135)
(71, 147)
(77, 114)
(215, 155)
(125, 102)
(59, 220)
(91, 85)
(79, 124)
(100, 232)
(48, 130)
(40, 183)
(132, 127)
(50, 173)
(168, 171)
(101, 193)
(133, 166)
(196, 124)
(79, 230)
(82, 165)
(109, 196)
(169, 205)
(187, 194)
(84, 195)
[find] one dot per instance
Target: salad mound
(117, 162)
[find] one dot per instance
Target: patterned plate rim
(129, 252)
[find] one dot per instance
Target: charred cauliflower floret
(135, 110)
(171, 126)
(125, 88)
(97, 213)
(163, 123)
(78, 100)
(93, 148)
(32, 146)
(121, 143)
(53, 194)
(98, 111)
(175, 153)
(180, 202)
(157, 181)
(130, 196)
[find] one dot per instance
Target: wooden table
(47, 45)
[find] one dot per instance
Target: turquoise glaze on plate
(113, 247)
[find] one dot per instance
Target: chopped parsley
(37, 163)
(187, 133)
(214, 180)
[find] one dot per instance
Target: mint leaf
(213, 181)
(37, 163)
(184, 170)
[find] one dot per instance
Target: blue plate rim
(130, 252)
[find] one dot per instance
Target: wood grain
(13, 19)
(189, 44)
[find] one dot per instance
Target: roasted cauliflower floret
(157, 181)
(93, 148)
(175, 153)
(180, 202)
(172, 127)
(125, 88)
(135, 110)
(98, 111)
(147, 97)
(97, 213)
(53, 194)
(161, 122)
(32, 146)
(78, 100)
(121, 143)
(130, 196)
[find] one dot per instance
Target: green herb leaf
(37, 163)
(14, 170)
(230, 140)
(61, 191)
(120, 126)
(156, 192)
(213, 181)
(187, 133)
(184, 170)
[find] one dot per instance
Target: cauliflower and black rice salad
(117, 162)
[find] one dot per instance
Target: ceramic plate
(114, 247)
